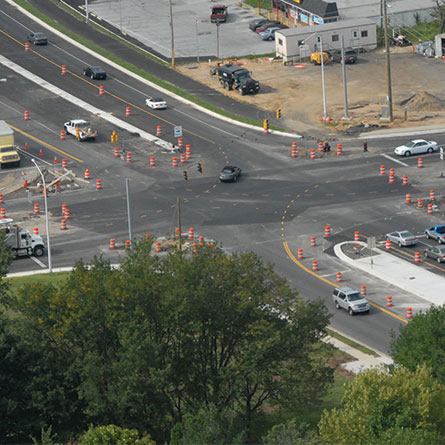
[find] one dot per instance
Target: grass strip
(352, 343)
(168, 86)
(55, 278)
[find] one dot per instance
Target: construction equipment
(316, 57)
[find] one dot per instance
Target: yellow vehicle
(316, 58)
(8, 153)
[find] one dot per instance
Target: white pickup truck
(80, 129)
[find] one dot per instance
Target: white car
(80, 129)
(416, 147)
(156, 103)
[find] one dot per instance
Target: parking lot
(195, 36)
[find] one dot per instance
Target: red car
(268, 25)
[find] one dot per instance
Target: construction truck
(20, 241)
(80, 129)
(8, 152)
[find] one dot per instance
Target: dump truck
(20, 241)
(8, 152)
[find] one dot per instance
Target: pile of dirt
(423, 101)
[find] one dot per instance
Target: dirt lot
(416, 84)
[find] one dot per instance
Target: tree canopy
(422, 341)
(379, 407)
(151, 344)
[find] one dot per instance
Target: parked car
(415, 147)
(437, 233)
(95, 72)
(435, 252)
(257, 23)
(402, 238)
(229, 173)
(156, 103)
(269, 34)
(350, 56)
(267, 25)
(350, 300)
(37, 38)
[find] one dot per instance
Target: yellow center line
(331, 283)
(46, 144)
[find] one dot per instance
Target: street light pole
(86, 11)
(50, 268)
(345, 87)
(172, 37)
(217, 38)
(388, 60)
(197, 42)
(325, 112)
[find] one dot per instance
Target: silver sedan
(437, 253)
(402, 238)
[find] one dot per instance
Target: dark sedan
(38, 38)
(269, 25)
(95, 72)
(257, 23)
(437, 253)
(229, 173)
(266, 25)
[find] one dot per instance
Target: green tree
(161, 338)
(233, 333)
(421, 341)
(438, 13)
(209, 426)
(113, 435)
(290, 433)
(379, 405)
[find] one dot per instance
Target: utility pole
(86, 11)
(217, 38)
(178, 206)
(388, 60)
(325, 111)
(345, 87)
(172, 37)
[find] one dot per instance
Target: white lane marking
(395, 160)
(43, 266)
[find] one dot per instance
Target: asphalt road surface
(279, 202)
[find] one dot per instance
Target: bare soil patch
(297, 91)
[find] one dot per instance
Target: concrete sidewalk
(398, 272)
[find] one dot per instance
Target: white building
(359, 34)
(400, 12)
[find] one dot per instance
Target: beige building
(294, 44)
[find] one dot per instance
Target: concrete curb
(403, 274)
(141, 79)
(399, 132)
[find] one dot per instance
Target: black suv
(350, 56)
(95, 72)
(234, 77)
